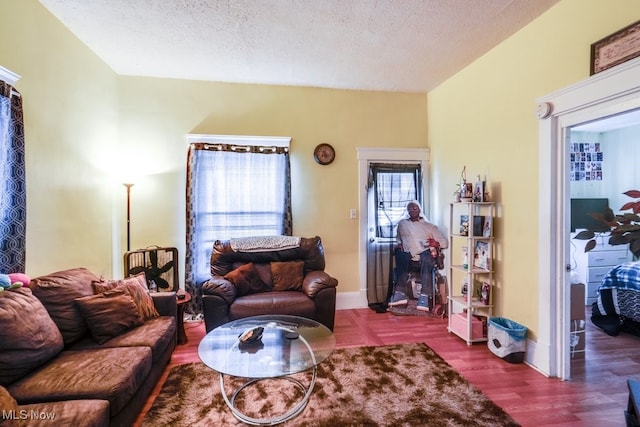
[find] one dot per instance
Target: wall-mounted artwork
(586, 161)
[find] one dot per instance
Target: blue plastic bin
(507, 339)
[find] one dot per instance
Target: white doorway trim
(391, 155)
(613, 91)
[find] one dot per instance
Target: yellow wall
(484, 118)
(95, 119)
(69, 100)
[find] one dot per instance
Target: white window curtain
(232, 191)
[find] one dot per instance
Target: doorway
(598, 153)
(399, 173)
(606, 94)
(391, 187)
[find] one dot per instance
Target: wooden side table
(182, 304)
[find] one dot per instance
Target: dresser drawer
(596, 274)
(609, 258)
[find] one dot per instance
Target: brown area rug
(397, 385)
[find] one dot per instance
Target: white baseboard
(537, 359)
(347, 300)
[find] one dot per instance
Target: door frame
(366, 155)
(610, 92)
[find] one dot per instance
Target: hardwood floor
(595, 396)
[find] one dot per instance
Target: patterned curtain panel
(232, 191)
(13, 194)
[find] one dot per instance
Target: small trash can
(507, 339)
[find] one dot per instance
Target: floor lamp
(128, 215)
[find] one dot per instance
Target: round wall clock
(324, 154)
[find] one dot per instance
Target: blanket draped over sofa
(81, 350)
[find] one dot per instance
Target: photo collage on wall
(586, 161)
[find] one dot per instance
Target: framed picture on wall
(616, 48)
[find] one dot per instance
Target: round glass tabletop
(289, 344)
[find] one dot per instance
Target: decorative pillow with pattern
(137, 288)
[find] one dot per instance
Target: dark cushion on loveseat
(58, 291)
(28, 336)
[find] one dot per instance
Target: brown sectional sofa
(85, 360)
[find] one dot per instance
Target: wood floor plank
(596, 395)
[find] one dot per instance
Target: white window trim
(267, 141)
(8, 76)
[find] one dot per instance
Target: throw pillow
(28, 336)
(136, 287)
(57, 292)
(246, 280)
(287, 276)
(109, 314)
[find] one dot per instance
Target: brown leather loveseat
(280, 280)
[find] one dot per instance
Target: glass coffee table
(289, 345)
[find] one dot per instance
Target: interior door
(390, 187)
(597, 180)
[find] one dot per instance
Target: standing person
(418, 242)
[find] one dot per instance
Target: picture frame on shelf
(485, 293)
(487, 227)
(464, 225)
(478, 191)
(465, 257)
(464, 288)
(481, 256)
(478, 224)
(466, 192)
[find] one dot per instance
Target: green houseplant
(622, 229)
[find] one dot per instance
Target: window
(236, 187)
(394, 185)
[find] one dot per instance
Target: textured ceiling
(386, 45)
